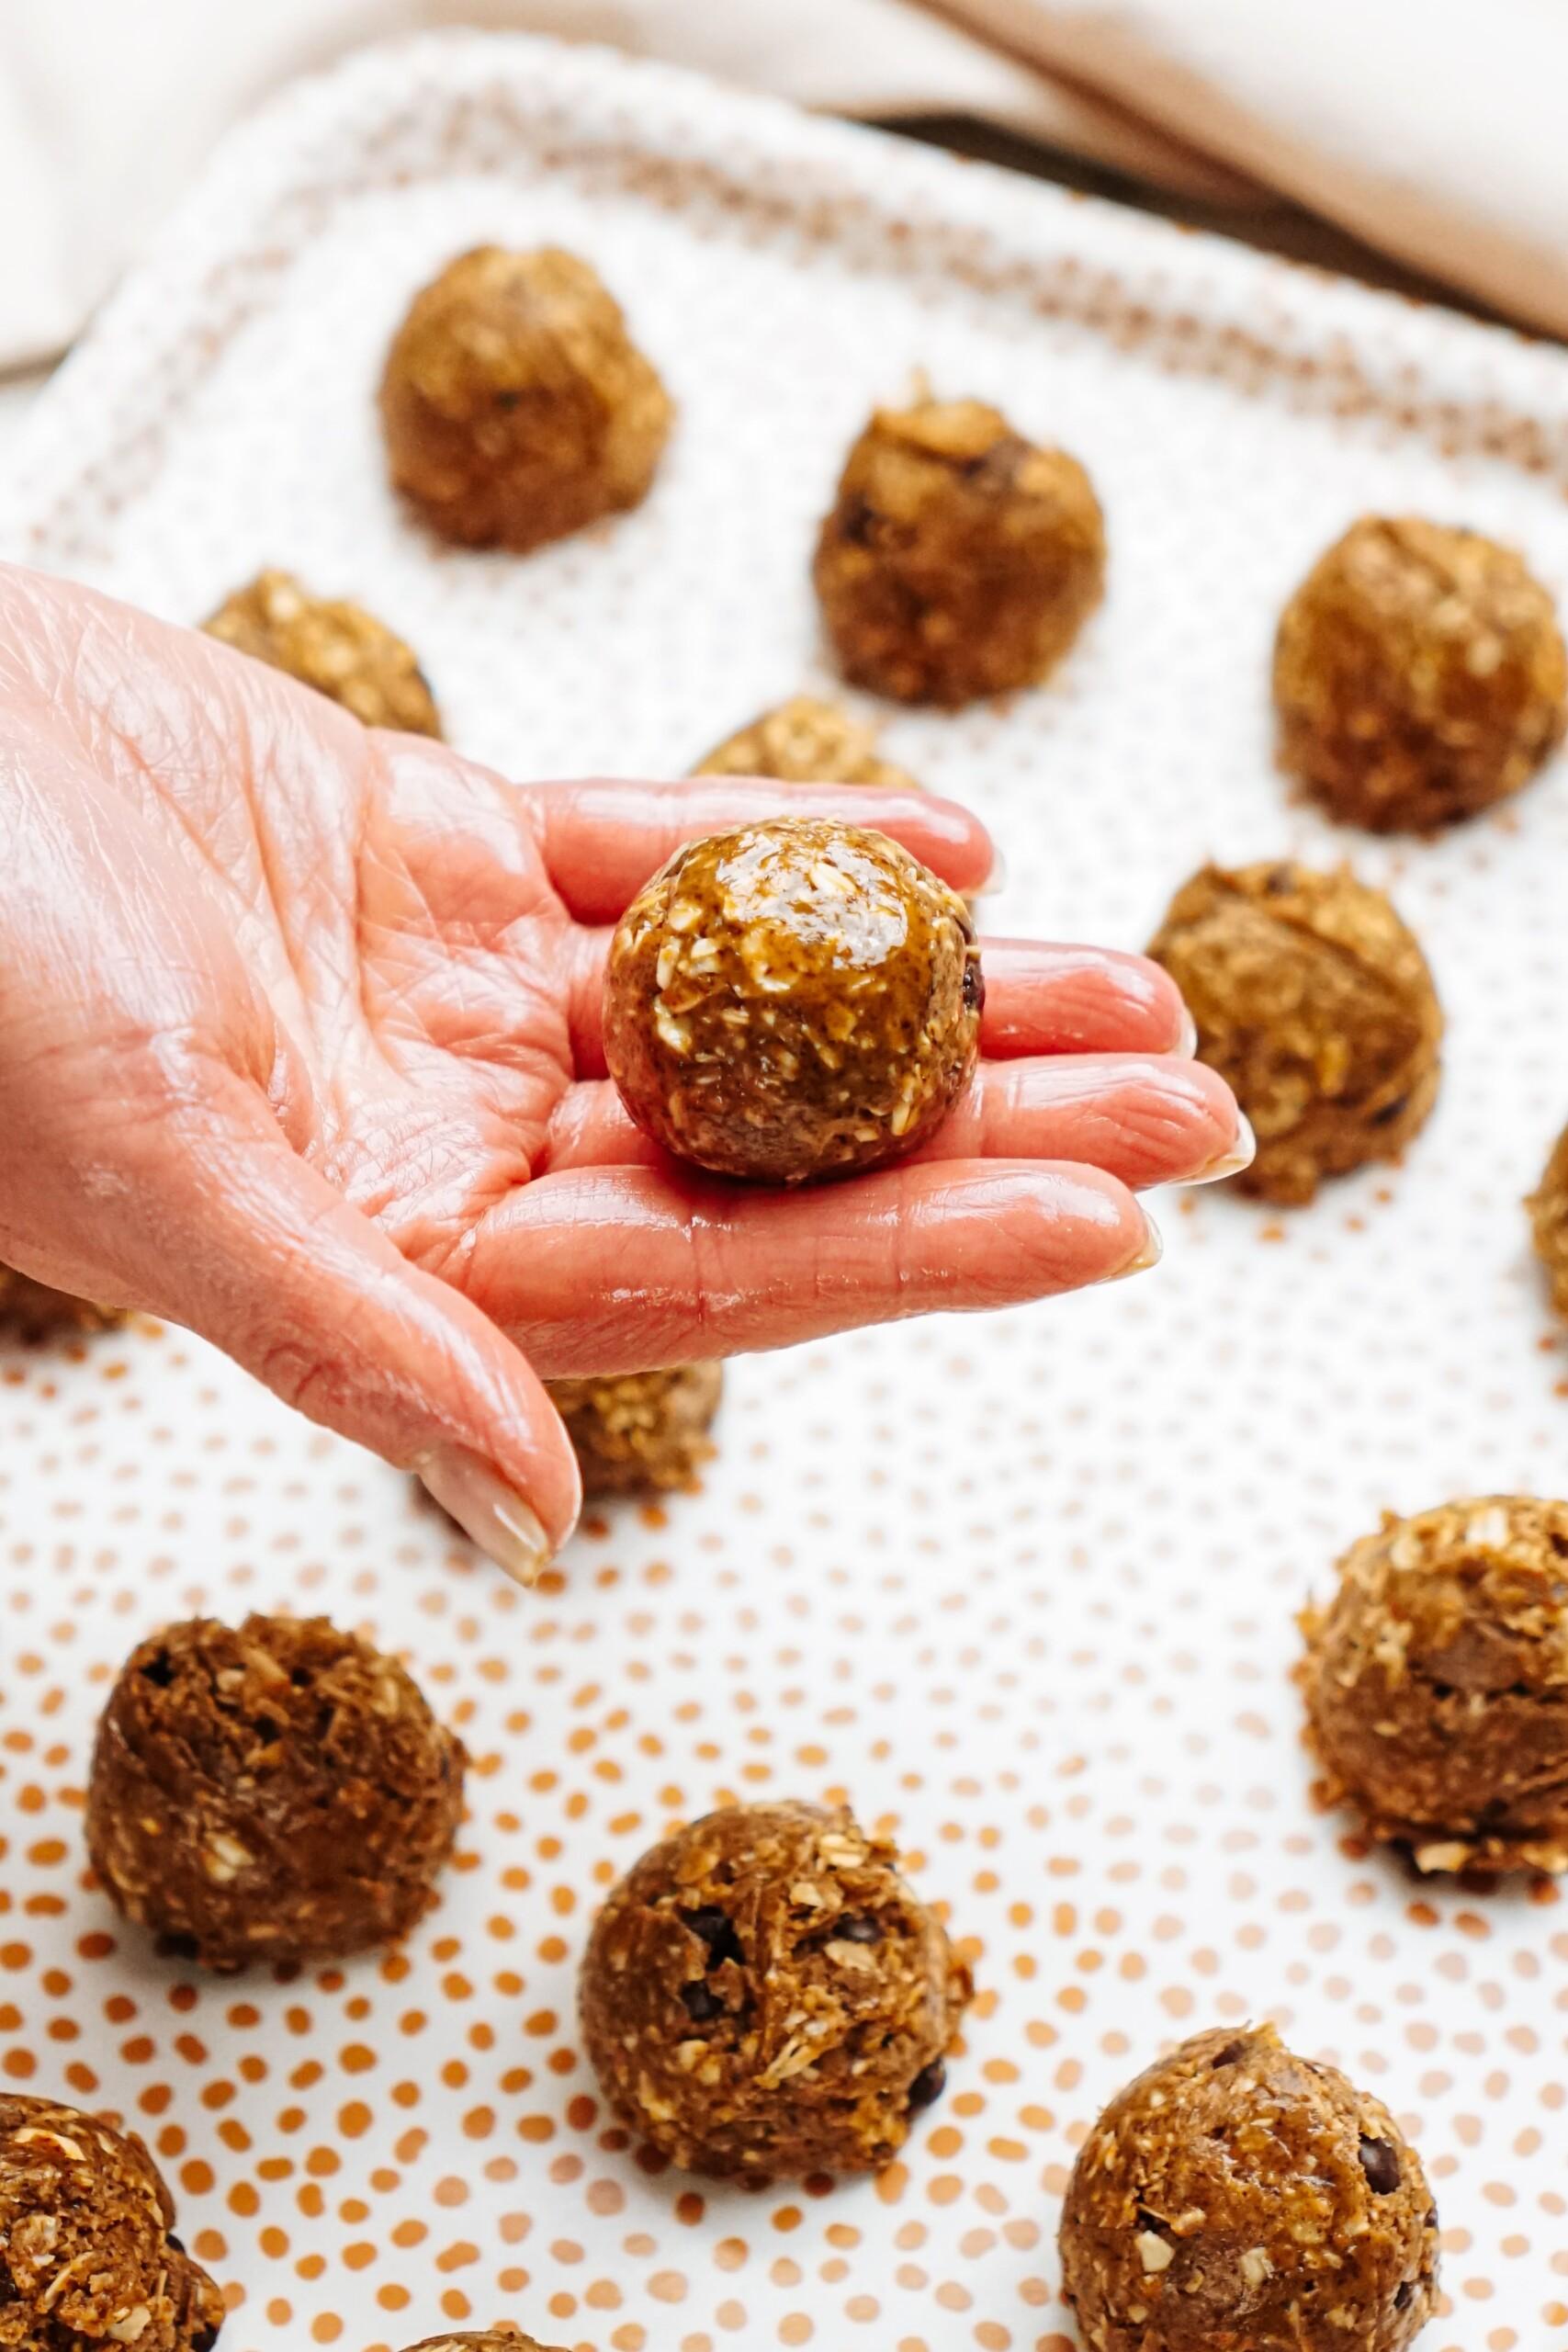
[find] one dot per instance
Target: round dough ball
(487, 2339)
(957, 559)
(1313, 1000)
(338, 648)
(1419, 675)
(280, 1791)
(1548, 1217)
(764, 1995)
(636, 1430)
(1233, 2194)
(516, 406)
(34, 1312)
(792, 999)
(87, 2257)
(806, 742)
(1436, 1684)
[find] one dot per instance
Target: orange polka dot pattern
(1022, 1588)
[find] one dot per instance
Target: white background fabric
(1429, 126)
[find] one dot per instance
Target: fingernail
(1242, 1154)
(1187, 1035)
(1149, 1255)
(995, 880)
(493, 1514)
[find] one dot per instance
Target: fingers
(713, 1270)
(1074, 999)
(1147, 1119)
(1040, 999)
(601, 840)
(276, 1269)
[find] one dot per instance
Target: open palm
(300, 1046)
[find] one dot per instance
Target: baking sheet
(1020, 1588)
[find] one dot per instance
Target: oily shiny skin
(300, 1047)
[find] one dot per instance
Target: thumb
(255, 1252)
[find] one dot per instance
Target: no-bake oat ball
(794, 999)
(87, 2254)
(763, 1996)
(516, 408)
(635, 1432)
(1549, 1220)
(338, 648)
(806, 741)
(957, 559)
(1436, 1684)
(1313, 1000)
(275, 1792)
(498, 2339)
(34, 1312)
(1419, 675)
(1237, 2196)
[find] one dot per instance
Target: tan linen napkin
(1427, 126)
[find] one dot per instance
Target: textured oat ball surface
(791, 999)
(1235, 2195)
(516, 406)
(1436, 1683)
(957, 559)
(276, 1791)
(633, 1432)
(806, 741)
(1313, 1000)
(498, 2339)
(1549, 1220)
(763, 1996)
(1419, 675)
(86, 2254)
(338, 648)
(34, 1312)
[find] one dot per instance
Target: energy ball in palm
(516, 407)
(1313, 1000)
(1436, 1684)
(1236, 2195)
(278, 1791)
(636, 1433)
(1419, 675)
(88, 2258)
(796, 998)
(764, 1996)
(338, 648)
(1548, 1206)
(957, 559)
(806, 741)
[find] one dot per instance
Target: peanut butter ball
(88, 2257)
(275, 1792)
(805, 741)
(498, 2339)
(1313, 1000)
(1548, 1219)
(957, 559)
(1235, 2195)
(338, 648)
(1419, 675)
(763, 1996)
(34, 1312)
(1436, 1684)
(516, 406)
(794, 999)
(638, 1431)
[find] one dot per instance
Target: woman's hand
(300, 1047)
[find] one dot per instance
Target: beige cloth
(1428, 127)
